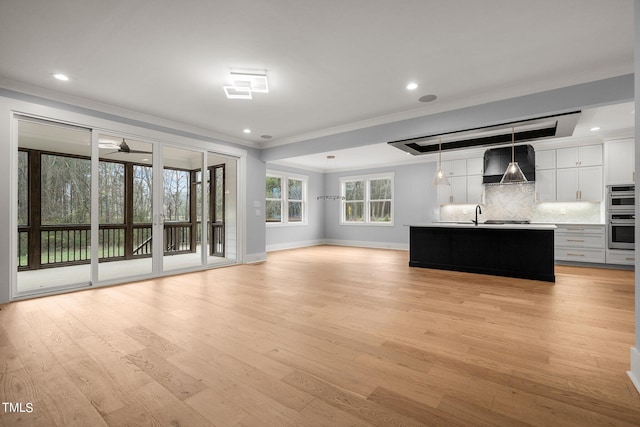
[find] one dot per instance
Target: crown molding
(104, 108)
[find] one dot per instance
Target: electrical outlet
(563, 211)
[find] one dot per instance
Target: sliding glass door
(222, 218)
(99, 207)
(54, 206)
(125, 194)
(182, 208)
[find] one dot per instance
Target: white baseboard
(634, 373)
(336, 242)
(363, 244)
(253, 258)
(294, 245)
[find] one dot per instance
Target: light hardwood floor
(326, 336)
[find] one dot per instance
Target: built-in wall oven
(621, 216)
(621, 198)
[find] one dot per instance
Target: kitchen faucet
(478, 210)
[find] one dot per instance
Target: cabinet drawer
(579, 229)
(580, 255)
(580, 240)
(621, 257)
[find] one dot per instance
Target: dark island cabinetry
(523, 252)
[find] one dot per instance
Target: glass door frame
(158, 140)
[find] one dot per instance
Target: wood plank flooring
(326, 336)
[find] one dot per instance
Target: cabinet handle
(577, 197)
(630, 259)
(575, 240)
(575, 254)
(575, 229)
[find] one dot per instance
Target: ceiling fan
(122, 147)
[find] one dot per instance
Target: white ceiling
(332, 65)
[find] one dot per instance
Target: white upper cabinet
(475, 166)
(465, 181)
(474, 189)
(545, 159)
(546, 185)
(591, 186)
(455, 167)
(620, 165)
(579, 184)
(588, 155)
(458, 189)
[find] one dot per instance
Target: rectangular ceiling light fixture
(244, 84)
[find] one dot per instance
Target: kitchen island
(512, 250)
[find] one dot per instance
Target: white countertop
(535, 226)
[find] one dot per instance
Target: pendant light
(441, 177)
(513, 174)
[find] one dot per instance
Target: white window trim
(367, 200)
(284, 192)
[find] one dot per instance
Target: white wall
(300, 235)
(415, 201)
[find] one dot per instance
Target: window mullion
(285, 200)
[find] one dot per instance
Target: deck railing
(70, 244)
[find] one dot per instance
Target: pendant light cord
(513, 145)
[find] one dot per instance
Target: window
(367, 199)
(285, 198)
(273, 204)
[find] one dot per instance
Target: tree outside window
(380, 200)
(285, 198)
(367, 200)
(354, 204)
(273, 204)
(295, 200)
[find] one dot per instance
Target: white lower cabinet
(580, 243)
(621, 257)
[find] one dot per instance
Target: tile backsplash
(517, 202)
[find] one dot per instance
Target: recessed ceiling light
(595, 128)
(247, 131)
(412, 86)
(60, 76)
(427, 98)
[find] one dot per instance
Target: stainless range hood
(535, 129)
